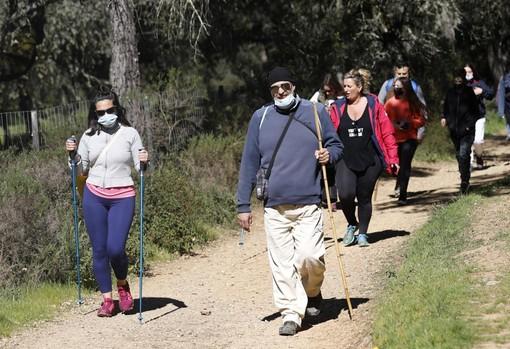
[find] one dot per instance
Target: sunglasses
(107, 111)
(286, 87)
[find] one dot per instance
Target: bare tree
(124, 67)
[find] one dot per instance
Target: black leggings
(405, 154)
(360, 185)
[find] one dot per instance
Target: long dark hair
(415, 105)
(475, 72)
(333, 83)
(101, 95)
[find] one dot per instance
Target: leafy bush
(186, 198)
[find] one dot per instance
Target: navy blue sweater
(296, 174)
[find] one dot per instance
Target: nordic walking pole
(72, 155)
(143, 167)
(330, 212)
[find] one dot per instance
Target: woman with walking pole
(369, 148)
(105, 154)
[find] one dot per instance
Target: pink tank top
(112, 193)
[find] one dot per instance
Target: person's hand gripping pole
(330, 213)
(71, 148)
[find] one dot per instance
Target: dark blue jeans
(463, 153)
(108, 222)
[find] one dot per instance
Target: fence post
(35, 130)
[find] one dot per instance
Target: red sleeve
(387, 134)
(335, 116)
(417, 120)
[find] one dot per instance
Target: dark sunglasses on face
(286, 87)
(107, 111)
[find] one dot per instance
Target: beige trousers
(295, 243)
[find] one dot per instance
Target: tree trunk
(124, 67)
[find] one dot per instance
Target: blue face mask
(285, 102)
(107, 120)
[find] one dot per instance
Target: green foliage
(436, 145)
(425, 304)
(494, 125)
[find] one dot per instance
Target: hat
(280, 74)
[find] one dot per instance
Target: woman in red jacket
(369, 148)
(407, 114)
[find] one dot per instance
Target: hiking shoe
(349, 234)
(363, 240)
(107, 308)
(464, 187)
(289, 328)
(396, 193)
(402, 202)
(313, 306)
(125, 299)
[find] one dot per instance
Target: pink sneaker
(106, 309)
(125, 298)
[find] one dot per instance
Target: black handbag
(262, 177)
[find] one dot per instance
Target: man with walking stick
(281, 158)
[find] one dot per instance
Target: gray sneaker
(289, 328)
(363, 240)
(349, 234)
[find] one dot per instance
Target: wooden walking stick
(330, 212)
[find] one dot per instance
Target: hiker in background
(482, 91)
(369, 148)
(283, 134)
(503, 98)
(460, 112)
(331, 90)
(402, 70)
(106, 152)
(407, 114)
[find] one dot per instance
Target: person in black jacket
(460, 112)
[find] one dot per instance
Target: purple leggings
(108, 222)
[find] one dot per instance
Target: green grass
(31, 304)
(436, 146)
(425, 304)
(494, 125)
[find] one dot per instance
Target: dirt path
(222, 297)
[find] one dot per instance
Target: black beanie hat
(280, 74)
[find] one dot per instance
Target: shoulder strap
(389, 83)
(414, 84)
(271, 163)
(108, 145)
(263, 117)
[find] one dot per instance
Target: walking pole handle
(72, 153)
(143, 164)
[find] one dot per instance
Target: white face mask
(285, 102)
(469, 76)
(107, 120)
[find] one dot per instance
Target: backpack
(389, 83)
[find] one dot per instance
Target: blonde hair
(367, 77)
(358, 78)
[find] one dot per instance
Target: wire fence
(166, 121)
